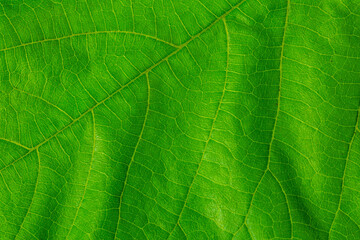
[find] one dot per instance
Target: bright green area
(179, 119)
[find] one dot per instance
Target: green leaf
(179, 119)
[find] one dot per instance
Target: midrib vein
(275, 124)
(345, 167)
(134, 153)
(87, 176)
(32, 198)
(124, 86)
(210, 132)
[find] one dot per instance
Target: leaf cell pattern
(205, 119)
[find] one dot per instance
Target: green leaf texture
(179, 119)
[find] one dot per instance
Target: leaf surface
(206, 119)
